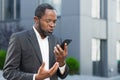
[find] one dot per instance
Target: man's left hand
(61, 54)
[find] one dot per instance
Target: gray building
(93, 26)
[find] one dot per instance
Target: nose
(52, 24)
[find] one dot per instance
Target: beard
(43, 32)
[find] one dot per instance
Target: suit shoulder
(56, 38)
(20, 34)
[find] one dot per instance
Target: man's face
(47, 22)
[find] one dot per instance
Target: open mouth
(51, 30)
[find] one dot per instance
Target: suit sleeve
(62, 76)
(11, 70)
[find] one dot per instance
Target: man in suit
(36, 54)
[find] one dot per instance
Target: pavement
(80, 77)
(1, 77)
(86, 77)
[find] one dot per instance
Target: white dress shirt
(44, 48)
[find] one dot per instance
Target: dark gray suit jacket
(24, 57)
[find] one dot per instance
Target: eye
(54, 21)
(48, 20)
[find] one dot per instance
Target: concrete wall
(70, 25)
(89, 28)
(111, 37)
(27, 12)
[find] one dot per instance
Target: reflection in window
(95, 50)
(55, 3)
(118, 10)
(10, 9)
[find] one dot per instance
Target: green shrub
(2, 58)
(73, 65)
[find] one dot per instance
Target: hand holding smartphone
(65, 41)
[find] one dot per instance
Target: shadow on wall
(6, 29)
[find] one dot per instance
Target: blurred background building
(93, 26)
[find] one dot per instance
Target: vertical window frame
(3, 10)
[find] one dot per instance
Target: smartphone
(65, 41)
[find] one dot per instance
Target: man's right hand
(42, 73)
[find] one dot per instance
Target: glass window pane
(9, 12)
(118, 10)
(102, 9)
(10, 9)
(18, 9)
(118, 50)
(95, 8)
(118, 55)
(95, 50)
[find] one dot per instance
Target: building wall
(27, 12)
(111, 37)
(89, 28)
(78, 24)
(70, 25)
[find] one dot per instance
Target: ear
(36, 19)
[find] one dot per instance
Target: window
(118, 55)
(95, 8)
(99, 9)
(118, 50)
(118, 11)
(95, 50)
(55, 3)
(10, 10)
(99, 56)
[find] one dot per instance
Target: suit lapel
(33, 39)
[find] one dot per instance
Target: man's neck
(42, 35)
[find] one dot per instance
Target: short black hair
(40, 10)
